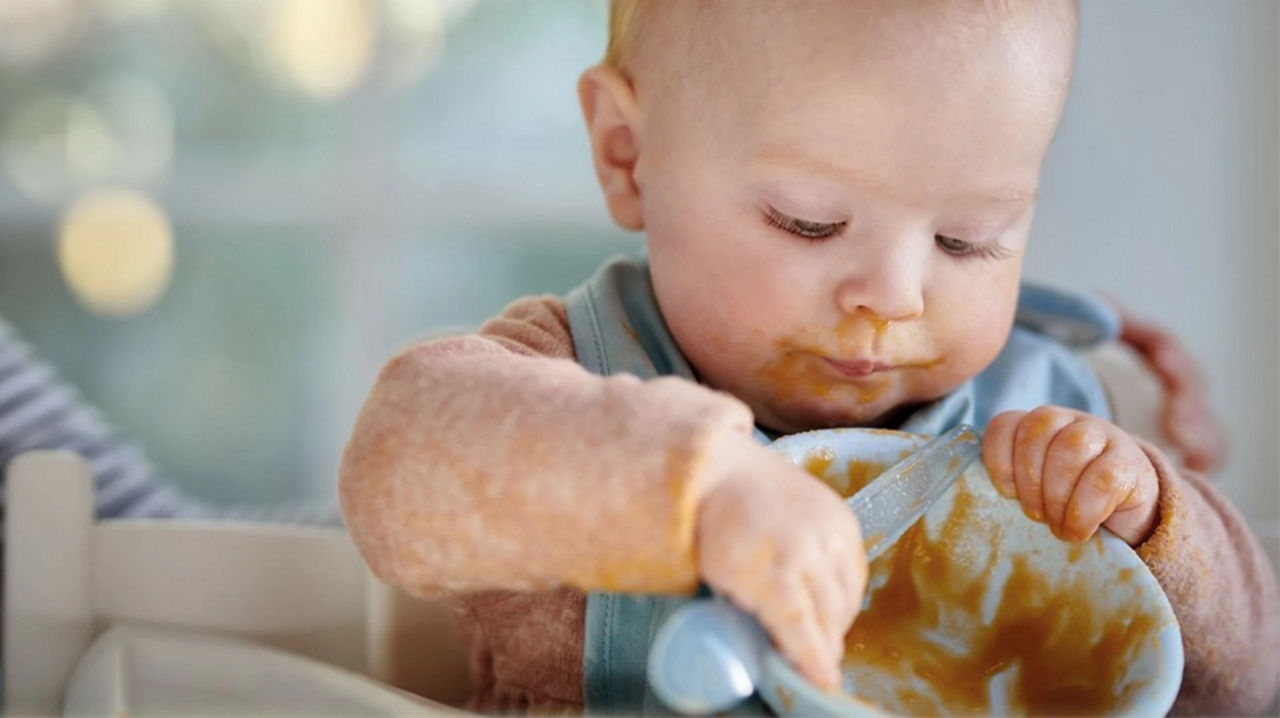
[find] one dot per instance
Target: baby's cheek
(955, 369)
(967, 353)
(973, 311)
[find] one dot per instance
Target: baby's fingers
(795, 628)
(1070, 453)
(1030, 447)
(852, 579)
(997, 451)
(831, 607)
(1101, 488)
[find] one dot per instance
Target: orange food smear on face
(845, 328)
(798, 369)
(849, 324)
(1069, 655)
(880, 326)
(796, 374)
(801, 374)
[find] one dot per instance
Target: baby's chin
(792, 415)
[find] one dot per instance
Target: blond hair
(624, 17)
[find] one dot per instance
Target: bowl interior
(978, 609)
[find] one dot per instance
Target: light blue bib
(618, 328)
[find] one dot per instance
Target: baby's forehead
(754, 60)
(934, 96)
(692, 37)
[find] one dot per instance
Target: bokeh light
(115, 251)
(120, 129)
(323, 48)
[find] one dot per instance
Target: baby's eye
(951, 245)
(813, 231)
(964, 250)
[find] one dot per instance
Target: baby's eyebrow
(785, 159)
(778, 157)
(1011, 193)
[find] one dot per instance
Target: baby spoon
(707, 657)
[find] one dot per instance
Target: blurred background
(218, 217)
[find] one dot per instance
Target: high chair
(282, 603)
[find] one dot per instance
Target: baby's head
(836, 193)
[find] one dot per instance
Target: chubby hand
(783, 547)
(1073, 471)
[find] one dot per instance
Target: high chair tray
(144, 671)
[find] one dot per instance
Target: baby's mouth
(861, 368)
(858, 368)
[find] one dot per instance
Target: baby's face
(837, 203)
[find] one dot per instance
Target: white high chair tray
(144, 671)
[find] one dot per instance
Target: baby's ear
(613, 124)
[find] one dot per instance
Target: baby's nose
(890, 289)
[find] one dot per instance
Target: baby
(836, 198)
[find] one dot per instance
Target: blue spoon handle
(706, 657)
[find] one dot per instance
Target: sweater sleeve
(1223, 592)
(494, 460)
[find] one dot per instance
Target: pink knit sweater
(451, 485)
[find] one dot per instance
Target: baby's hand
(1074, 471)
(784, 547)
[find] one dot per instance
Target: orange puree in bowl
(1070, 656)
(856, 476)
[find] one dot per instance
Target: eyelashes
(960, 248)
(819, 231)
(813, 231)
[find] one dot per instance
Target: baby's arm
(495, 461)
(1223, 592)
